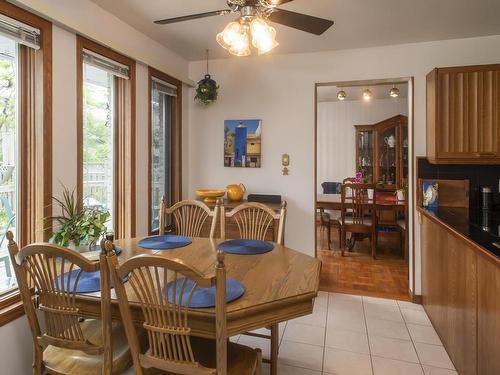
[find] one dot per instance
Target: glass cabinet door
(364, 160)
(387, 156)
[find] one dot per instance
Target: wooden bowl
(210, 195)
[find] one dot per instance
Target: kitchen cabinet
(463, 115)
(461, 295)
(488, 317)
(449, 293)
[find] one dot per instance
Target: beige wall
(279, 89)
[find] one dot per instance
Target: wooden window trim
(11, 306)
(125, 188)
(176, 150)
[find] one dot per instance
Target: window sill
(11, 307)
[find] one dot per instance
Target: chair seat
(241, 360)
(349, 220)
(67, 361)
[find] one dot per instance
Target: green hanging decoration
(207, 89)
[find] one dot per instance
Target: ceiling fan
(252, 25)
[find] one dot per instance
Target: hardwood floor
(358, 273)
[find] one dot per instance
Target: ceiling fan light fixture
(263, 38)
(230, 34)
(341, 95)
(241, 46)
(367, 95)
(394, 93)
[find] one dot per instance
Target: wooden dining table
(334, 202)
(279, 285)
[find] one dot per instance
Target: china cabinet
(382, 152)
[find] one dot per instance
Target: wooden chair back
(189, 217)
(349, 180)
(165, 315)
(43, 271)
(356, 207)
(254, 220)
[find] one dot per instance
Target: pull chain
(207, 60)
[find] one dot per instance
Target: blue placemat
(204, 297)
(246, 247)
(89, 282)
(164, 242)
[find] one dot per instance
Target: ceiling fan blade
(309, 24)
(193, 17)
(278, 2)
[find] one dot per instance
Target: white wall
(337, 135)
(279, 89)
(16, 349)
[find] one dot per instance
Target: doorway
(364, 132)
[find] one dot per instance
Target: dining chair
(48, 277)
(358, 214)
(254, 221)
(163, 288)
(189, 217)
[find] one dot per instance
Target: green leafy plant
(207, 90)
(75, 225)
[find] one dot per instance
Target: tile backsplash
(478, 175)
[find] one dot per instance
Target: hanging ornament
(207, 89)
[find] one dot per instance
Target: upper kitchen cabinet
(463, 115)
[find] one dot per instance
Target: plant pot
(400, 195)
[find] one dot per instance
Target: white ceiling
(329, 93)
(358, 23)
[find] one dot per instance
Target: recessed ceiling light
(367, 94)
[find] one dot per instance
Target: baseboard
(415, 298)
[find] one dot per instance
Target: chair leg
(373, 240)
(37, 361)
(258, 367)
(329, 234)
(342, 241)
(274, 348)
(340, 234)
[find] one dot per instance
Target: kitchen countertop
(468, 223)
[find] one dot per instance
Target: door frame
(411, 193)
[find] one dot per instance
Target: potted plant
(77, 228)
(400, 193)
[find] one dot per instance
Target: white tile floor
(353, 335)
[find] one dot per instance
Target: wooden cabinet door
(449, 293)
(434, 274)
(461, 335)
(488, 317)
(463, 119)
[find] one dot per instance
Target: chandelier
(251, 29)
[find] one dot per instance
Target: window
(164, 143)
(98, 135)
(9, 149)
(25, 140)
(106, 134)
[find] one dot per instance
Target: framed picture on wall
(243, 143)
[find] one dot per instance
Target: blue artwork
(242, 143)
